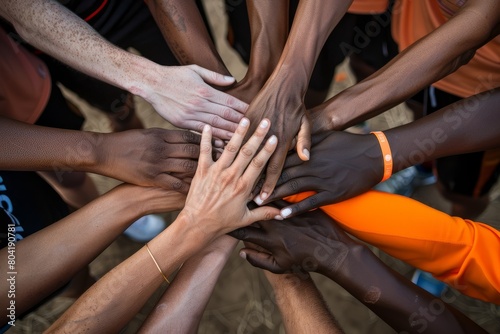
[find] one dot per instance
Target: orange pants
(459, 252)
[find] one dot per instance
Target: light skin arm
(301, 305)
(313, 242)
(181, 95)
(281, 98)
(152, 157)
(222, 186)
(181, 307)
(345, 165)
(431, 58)
(186, 34)
(43, 265)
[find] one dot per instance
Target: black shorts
(472, 174)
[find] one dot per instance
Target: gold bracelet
(157, 265)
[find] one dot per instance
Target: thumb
(212, 77)
(260, 260)
(304, 139)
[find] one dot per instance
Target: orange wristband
(386, 154)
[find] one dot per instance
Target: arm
(186, 34)
(48, 259)
(182, 305)
(269, 30)
(216, 204)
(346, 165)
(431, 58)
(281, 99)
(152, 157)
(320, 245)
(459, 252)
(301, 305)
(179, 94)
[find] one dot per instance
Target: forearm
(269, 29)
(53, 29)
(49, 258)
(397, 301)
(313, 23)
(301, 305)
(442, 133)
(185, 32)
(32, 147)
(181, 307)
(111, 302)
(428, 60)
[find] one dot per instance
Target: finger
(216, 96)
(308, 204)
(261, 260)
(254, 169)
(263, 213)
(222, 111)
(273, 171)
(205, 159)
(173, 165)
(181, 151)
(231, 150)
(294, 186)
(169, 182)
(212, 77)
(198, 126)
(248, 151)
(217, 121)
(254, 235)
(304, 140)
(181, 137)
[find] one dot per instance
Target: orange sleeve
(459, 252)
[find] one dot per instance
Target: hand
(220, 191)
(311, 242)
(342, 166)
(152, 157)
(182, 95)
(288, 118)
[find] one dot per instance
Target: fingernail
(286, 212)
(228, 78)
(306, 153)
(218, 143)
(206, 128)
(264, 124)
(278, 217)
(258, 200)
(243, 255)
(244, 122)
(273, 140)
(264, 196)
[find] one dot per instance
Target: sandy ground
(243, 301)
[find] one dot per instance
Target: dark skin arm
(301, 304)
(431, 58)
(269, 30)
(345, 165)
(152, 157)
(313, 242)
(281, 99)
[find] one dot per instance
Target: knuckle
(247, 152)
(189, 137)
(273, 168)
(231, 148)
(284, 177)
(189, 165)
(258, 163)
(215, 121)
(294, 185)
(190, 150)
(227, 113)
(206, 149)
(203, 91)
(176, 185)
